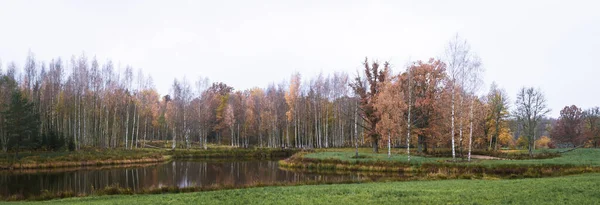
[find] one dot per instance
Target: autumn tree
(254, 106)
(591, 118)
(391, 106)
(569, 127)
(220, 98)
(291, 97)
(498, 104)
(367, 92)
(426, 86)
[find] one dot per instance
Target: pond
(180, 173)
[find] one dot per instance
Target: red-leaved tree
(568, 130)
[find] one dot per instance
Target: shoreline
(550, 190)
(137, 157)
(379, 163)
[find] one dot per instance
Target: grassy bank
(578, 189)
(578, 157)
(98, 157)
(575, 162)
(92, 157)
(237, 153)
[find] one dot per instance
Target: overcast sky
(553, 45)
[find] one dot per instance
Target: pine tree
(21, 123)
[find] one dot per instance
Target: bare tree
(530, 109)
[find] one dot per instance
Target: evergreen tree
(21, 123)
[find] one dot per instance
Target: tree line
(431, 104)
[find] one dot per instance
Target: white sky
(553, 45)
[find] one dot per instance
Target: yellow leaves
(522, 142)
(292, 94)
(505, 137)
(543, 142)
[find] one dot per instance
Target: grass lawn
(578, 157)
(576, 189)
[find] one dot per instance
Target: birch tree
(463, 67)
(291, 97)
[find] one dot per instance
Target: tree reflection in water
(181, 173)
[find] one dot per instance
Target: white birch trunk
(452, 126)
(471, 129)
(126, 125)
(133, 126)
(408, 119)
(389, 144)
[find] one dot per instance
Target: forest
(427, 105)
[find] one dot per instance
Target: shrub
(543, 142)
(522, 142)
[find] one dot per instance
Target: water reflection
(175, 173)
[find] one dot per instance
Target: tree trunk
(287, 133)
(356, 130)
(471, 129)
(389, 144)
(145, 131)
(137, 132)
(133, 126)
(231, 129)
(205, 135)
(408, 119)
(114, 137)
(375, 143)
(174, 145)
(326, 127)
(532, 143)
(126, 125)
(452, 126)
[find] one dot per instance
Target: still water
(180, 173)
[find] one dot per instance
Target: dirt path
(486, 157)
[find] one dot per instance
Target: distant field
(578, 189)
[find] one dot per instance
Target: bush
(522, 142)
(543, 142)
(53, 141)
(71, 145)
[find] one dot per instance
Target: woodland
(430, 104)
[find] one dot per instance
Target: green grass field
(577, 189)
(578, 157)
